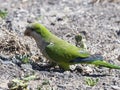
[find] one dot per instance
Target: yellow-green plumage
(60, 51)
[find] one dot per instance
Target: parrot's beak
(27, 31)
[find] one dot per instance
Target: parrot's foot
(65, 69)
(64, 66)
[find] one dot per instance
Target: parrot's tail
(95, 60)
(105, 64)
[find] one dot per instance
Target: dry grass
(11, 44)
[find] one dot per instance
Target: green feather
(62, 52)
(105, 64)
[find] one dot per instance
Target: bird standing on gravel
(61, 52)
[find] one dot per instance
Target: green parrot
(61, 52)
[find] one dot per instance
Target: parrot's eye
(30, 28)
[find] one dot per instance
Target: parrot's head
(32, 28)
(36, 28)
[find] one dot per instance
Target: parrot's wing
(88, 59)
(64, 52)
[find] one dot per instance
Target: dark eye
(30, 28)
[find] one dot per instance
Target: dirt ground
(98, 21)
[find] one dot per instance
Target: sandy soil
(97, 20)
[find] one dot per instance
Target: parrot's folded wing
(89, 59)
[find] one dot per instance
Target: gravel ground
(97, 20)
